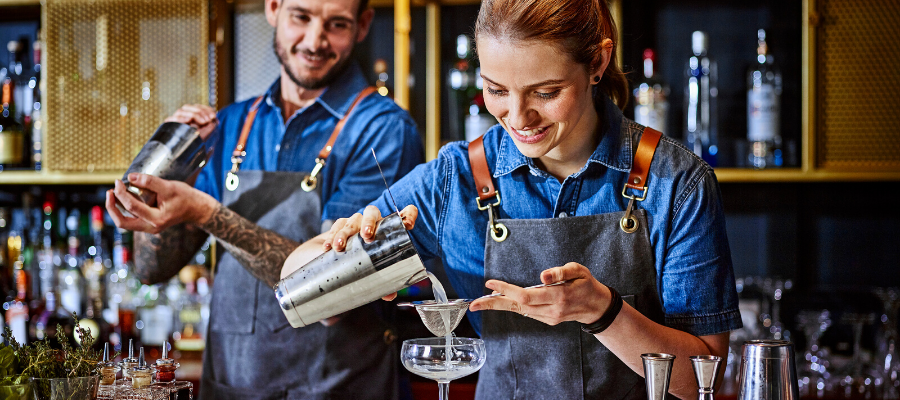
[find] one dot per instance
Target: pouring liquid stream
(440, 295)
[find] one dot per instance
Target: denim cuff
(709, 324)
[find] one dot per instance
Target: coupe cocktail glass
(435, 358)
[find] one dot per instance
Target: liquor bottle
(701, 131)
(12, 133)
(17, 306)
(71, 280)
(37, 123)
(764, 108)
(49, 255)
(95, 266)
(652, 97)
(122, 286)
(463, 88)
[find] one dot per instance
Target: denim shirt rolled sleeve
(350, 178)
(695, 279)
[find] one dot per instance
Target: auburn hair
(577, 26)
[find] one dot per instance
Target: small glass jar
(108, 373)
(165, 370)
(127, 366)
(140, 377)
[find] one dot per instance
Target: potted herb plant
(69, 372)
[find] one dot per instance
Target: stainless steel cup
(768, 371)
(706, 368)
(336, 282)
(657, 371)
(174, 152)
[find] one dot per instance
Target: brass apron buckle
(498, 231)
(629, 223)
(311, 181)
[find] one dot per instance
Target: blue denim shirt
(350, 178)
(687, 224)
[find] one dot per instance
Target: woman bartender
(545, 199)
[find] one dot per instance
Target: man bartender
(263, 193)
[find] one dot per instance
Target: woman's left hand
(582, 299)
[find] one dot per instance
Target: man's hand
(177, 202)
(200, 116)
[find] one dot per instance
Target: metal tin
(657, 371)
(336, 282)
(174, 152)
(768, 371)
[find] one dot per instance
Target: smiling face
(314, 38)
(542, 98)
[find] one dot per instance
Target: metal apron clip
(498, 230)
(311, 181)
(629, 223)
(231, 178)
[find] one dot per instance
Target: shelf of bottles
(61, 256)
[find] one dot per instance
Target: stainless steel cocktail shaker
(768, 371)
(336, 282)
(174, 152)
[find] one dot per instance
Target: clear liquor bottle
(701, 130)
(651, 96)
(764, 88)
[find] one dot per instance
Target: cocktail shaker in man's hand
(336, 282)
(174, 152)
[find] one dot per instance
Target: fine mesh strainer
(440, 318)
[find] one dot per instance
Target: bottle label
(762, 113)
(651, 116)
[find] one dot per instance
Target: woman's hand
(177, 202)
(200, 116)
(365, 223)
(582, 299)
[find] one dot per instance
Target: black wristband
(608, 317)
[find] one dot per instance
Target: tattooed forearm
(261, 251)
(159, 257)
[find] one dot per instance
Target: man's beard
(309, 83)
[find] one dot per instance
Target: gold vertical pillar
(401, 52)
(808, 86)
(615, 9)
(432, 80)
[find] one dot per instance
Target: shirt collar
(614, 150)
(336, 98)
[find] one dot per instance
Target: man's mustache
(321, 53)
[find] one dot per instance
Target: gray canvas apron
(528, 359)
(252, 352)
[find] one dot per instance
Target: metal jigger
(706, 368)
(657, 371)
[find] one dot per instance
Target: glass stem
(443, 390)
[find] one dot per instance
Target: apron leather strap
(237, 156)
(480, 170)
(245, 130)
(640, 166)
(323, 154)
